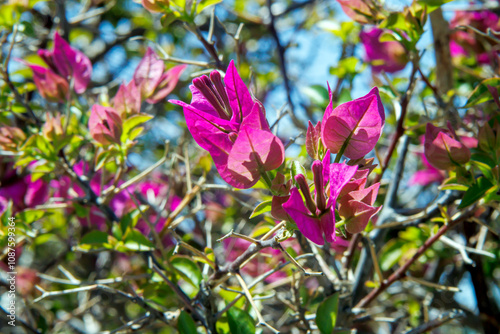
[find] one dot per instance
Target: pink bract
(388, 56)
(443, 149)
(105, 125)
(355, 126)
(152, 80)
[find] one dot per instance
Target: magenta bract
(356, 208)
(223, 119)
(65, 64)
(127, 100)
(105, 125)
(68, 63)
(315, 218)
(357, 10)
(51, 86)
(355, 126)
(153, 82)
(254, 151)
(443, 149)
(388, 56)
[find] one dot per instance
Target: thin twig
(262, 322)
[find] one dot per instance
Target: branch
(365, 264)
(401, 272)
(283, 67)
(135, 299)
(262, 322)
(439, 321)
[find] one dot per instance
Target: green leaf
(317, 94)
(186, 324)
(296, 168)
(26, 28)
(261, 208)
(240, 322)
(131, 122)
(95, 237)
(29, 216)
(475, 192)
(391, 253)
(188, 270)
(326, 316)
(205, 4)
(345, 67)
(131, 218)
(136, 241)
(481, 94)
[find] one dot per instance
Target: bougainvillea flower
(388, 56)
(225, 120)
(467, 42)
(315, 218)
(443, 149)
(105, 125)
(357, 10)
(68, 63)
(153, 82)
(50, 85)
(167, 83)
(353, 126)
(127, 101)
(356, 208)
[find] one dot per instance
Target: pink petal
(340, 175)
(71, 62)
(306, 224)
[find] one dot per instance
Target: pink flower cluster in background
(387, 56)
(465, 42)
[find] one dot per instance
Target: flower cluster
(465, 42)
(150, 83)
(230, 124)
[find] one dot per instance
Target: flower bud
(105, 125)
(443, 149)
